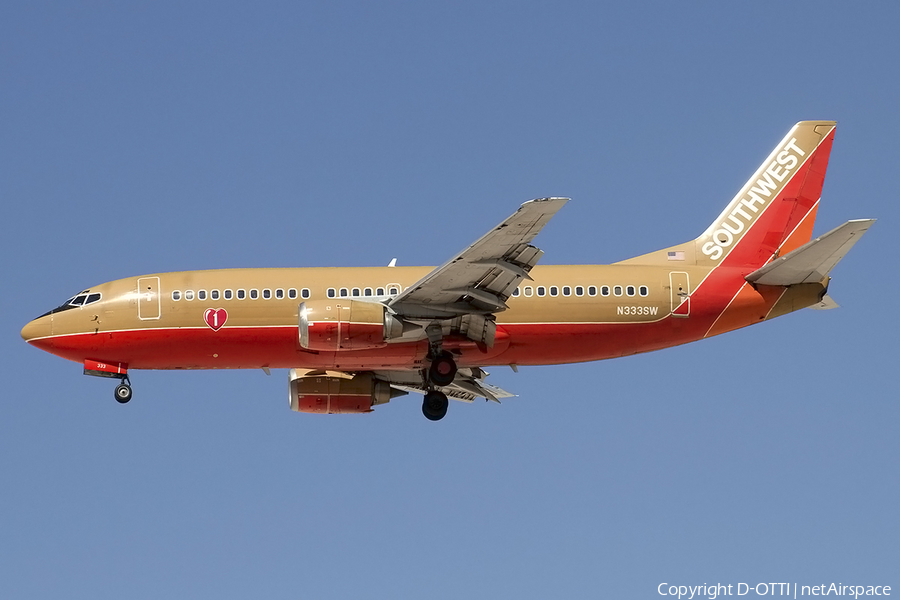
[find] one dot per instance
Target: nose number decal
(215, 318)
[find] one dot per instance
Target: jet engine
(333, 392)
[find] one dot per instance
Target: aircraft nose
(38, 328)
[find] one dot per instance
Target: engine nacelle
(337, 324)
(333, 393)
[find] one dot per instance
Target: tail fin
(773, 213)
(775, 210)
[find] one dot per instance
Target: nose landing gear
(123, 391)
(113, 370)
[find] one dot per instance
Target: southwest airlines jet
(355, 338)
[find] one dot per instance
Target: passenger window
(304, 292)
(541, 290)
(330, 293)
(354, 292)
(292, 293)
(592, 291)
(279, 294)
(516, 293)
(176, 295)
(567, 291)
(617, 290)
(630, 290)
(604, 290)
(344, 292)
(528, 291)
(267, 294)
(254, 294)
(554, 291)
(579, 291)
(201, 295)
(379, 292)
(644, 290)
(367, 292)
(214, 294)
(227, 294)
(241, 294)
(189, 295)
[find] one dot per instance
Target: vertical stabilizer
(775, 210)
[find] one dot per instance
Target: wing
(480, 279)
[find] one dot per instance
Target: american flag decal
(676, 255)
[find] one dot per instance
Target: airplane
(355, 338)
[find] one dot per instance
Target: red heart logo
(215, 318)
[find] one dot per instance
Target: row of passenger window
(279, 294)
(616, 290)
(527, 291)
(240, 294)
(392, 290)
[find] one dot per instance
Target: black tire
(443, 369)
(123, 393)
(434, 406)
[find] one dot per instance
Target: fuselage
(356, 337)
(248, 318)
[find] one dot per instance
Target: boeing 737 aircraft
(355, 338)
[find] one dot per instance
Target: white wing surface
(480, 279)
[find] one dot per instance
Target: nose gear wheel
(123, 393)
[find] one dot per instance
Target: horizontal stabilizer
(826, 304)
(811, 262)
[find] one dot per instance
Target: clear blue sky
(146, 137)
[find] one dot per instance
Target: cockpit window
(82, 299)
(77, 301)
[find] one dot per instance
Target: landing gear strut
(441, 372)
(123, 391)
(434, 407)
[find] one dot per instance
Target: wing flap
(811, 262)
(468, 384)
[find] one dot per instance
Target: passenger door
(680, 293)
(148, 298)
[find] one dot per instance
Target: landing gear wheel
(123, 393)
(443, 369)
(434, 407)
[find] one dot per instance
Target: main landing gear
(443, 369)
(434, 406)
(123, 391)
(441, 372)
